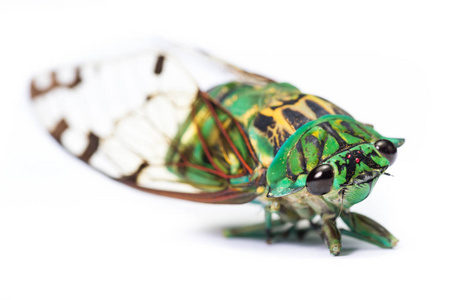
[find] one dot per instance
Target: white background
(67, 232)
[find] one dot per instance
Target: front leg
(368, 230)
(328, 230)
(332, 236)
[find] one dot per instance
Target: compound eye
(320, 180)
(387, 149)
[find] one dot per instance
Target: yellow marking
(245, 118)
(305, 110)
(229, 102)
(189, 133)
(226, 123)
(223, 90)
(225, 153)
(231, 159)
(316, 134)
(271, 90)
(281, 121)
(268, 112)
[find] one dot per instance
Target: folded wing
(124, 117)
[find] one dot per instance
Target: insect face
(356, 172)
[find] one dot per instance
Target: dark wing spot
(76, 81)
(94, 142)
(133, 177)
(59, 130)
(159, 65)
(36, 92)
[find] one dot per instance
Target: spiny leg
(366, 229)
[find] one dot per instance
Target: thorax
(272, 113)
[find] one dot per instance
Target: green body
(291, 133)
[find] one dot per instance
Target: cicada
(194, 127)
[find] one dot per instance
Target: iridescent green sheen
(286, 175)
(291, 134)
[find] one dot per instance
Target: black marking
(313, 140)
(283, 135)
(333, 133)
(370, 162)
(94, 142)
(288, 102)
(262, 181)
(294, 118)
(299, 148)
(349, 128)
(350, 166)
(159, 65)
(263, 122)
(319, 145)
(316, 108)
(290, 174)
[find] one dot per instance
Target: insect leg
(257, 230)
(363, 228)
(269, 229)
(332, 236)
(268, 221)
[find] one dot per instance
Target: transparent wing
(123, 117)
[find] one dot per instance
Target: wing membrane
(130, 118)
